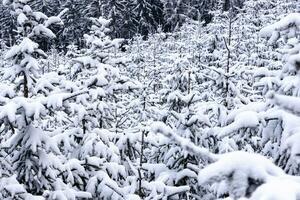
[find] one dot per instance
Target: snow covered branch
(160, 127)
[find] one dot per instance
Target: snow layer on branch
(159, 190)
(9, 111)
(272, 31)
(104, 186)
(160, 127)
(187, 99)
(264, 72)
(156, 169)
(39, 15)
(294, 60)
(290, 123)
(277, 189)
(252, 165)
(22, 19)
(11, 186)
(53, 20)
(41, 30)
(246, 119)
(26, 46)
(33, 107)
(87, 61)
(48, 81)
(293, 142)
(68, 194)
(287, 102)
(35, 137)
(7, 90)
(100, 21)
(240, 170)
(253, 106)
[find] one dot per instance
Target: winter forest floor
(209, 111)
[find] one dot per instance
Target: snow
(277, 189)
(9, 111)
(293, 60)
(160, 127)
(95, 161)
(253, 106)
(39, 16)
(293, 143)
(264, 72)
(41, 30)
(252, 165)
(287, 102)
(272, 31)
(155, 169)
(12, 186)
(87, 61)
(246, 119)
(237, 169)
(289, 83)
(7, 90)
(56, 100)
(53, 20)
(27, 46)
(157, 120)
(22, 19)
(185, 173)
(35, 137)
(68, 194)
(199, 118)
(290, 123)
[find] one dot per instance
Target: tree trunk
(26, 90)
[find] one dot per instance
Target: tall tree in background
(128, 25)
(174, 14)
(116, 10)
(144, 16)
(128, 17)
(93, 8)
(75, 24)
(7, 25)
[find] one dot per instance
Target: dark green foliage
(128, 17)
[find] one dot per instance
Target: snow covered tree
(121, 14)
(265, 120)
(144, 17)
(34, 153)
(286, 92)
(272, 126)
(7, 24)
(175, 14)
(236, 174)
(214, 113)
(101, 114)
(75, 24)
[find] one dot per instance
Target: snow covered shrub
(284, 99)
(99, 116)
(236, 174)
(272, 125)
(26, 102)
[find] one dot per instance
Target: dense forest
(128, 17)
(150, 99)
